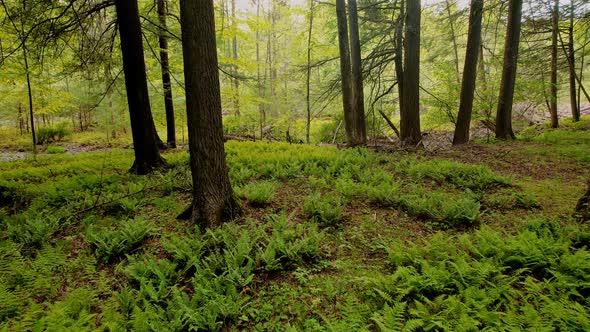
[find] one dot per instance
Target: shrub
(56, 149)
(258, 193)
(46, 135)
(325, 210)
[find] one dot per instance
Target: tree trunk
(410, 114)
(453, 38)
(261, 109)
(554, 33)
(213, 198)
(399, 53)
(358, 99)
(168, 102)
(506, 96)
(345, 70)
(308, 78)
(147, 154)
(469, 73)
(572, 56)
(236, 81)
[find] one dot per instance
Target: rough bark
(213, 198)
(345, 70)
(506, 96)
(572, 57)
(358, 99)
(554, 34)
(399, 53)
(469, 73)
(410, 114)
(147, 154)
(165, 65)
(308, 78)
(236, 81)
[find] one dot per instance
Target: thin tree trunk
(554, 33)
(410, 114)
(30, 95)
(453, 39)
(235, 58)
(167, 85)
(572, 56)
(345, 70)
(308, 78)
(258, 75)
(399, 51)
(469, 73)
(506, 96)
(145, 144)
(213, 198)
(358, 99)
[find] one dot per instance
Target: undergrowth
(332, 240)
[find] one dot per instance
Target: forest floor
(476, 237)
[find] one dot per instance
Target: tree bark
(410, 114)
(572, 56)
(147, 154)
(358, 99)
(236, 81)
(213, 198)
(308, 78)
(554, 34)
(345, 70)
(506, 96)
(469, 73)
(164, 62)
(399, 53)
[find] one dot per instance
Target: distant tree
(213, 198)
(165, 65)
(572, 60)
(410, 133)
(469, 73)
(554, 59)
(308, 77)
(145, 142)
(506, 97)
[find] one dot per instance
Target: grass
(331, 240)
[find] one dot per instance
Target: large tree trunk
(469, 73)
(572, 56)
(308, 78)
(506, 96)
(345, 70)
(554, 34)
(213, 198)
(147, 154)
(410, 114)
(358, 98)
(168, 103)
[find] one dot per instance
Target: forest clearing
(294, 165)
